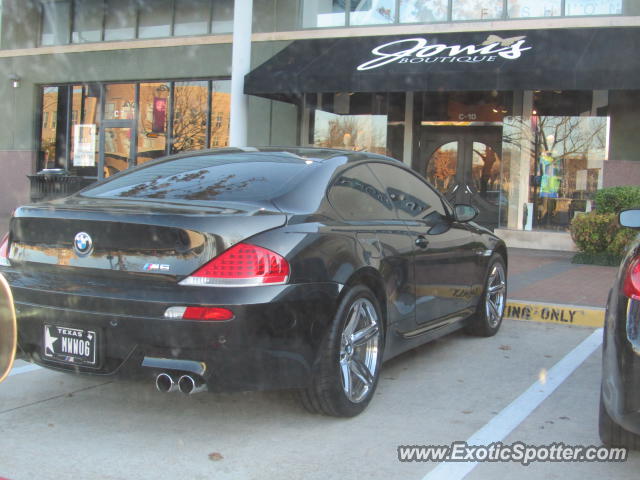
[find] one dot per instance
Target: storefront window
(360, 121)
(220, 113)
(190, 114)
(56, 22)
(119, 101)
(567, 167)
(475, 10)
(192, 17)
(152, 121)
(372, 12)
(323, 13)
(593, 7)
(48, 130)
(155, 19)
(533, 8)
(120, 20)
(87, 21)
(351, 132)
(85, 130)
(132, 124)
(553, 161)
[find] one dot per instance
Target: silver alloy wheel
(359, 350)
(495, 295)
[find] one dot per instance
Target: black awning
(558, 59)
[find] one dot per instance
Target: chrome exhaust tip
(165, 383)
(189, 385)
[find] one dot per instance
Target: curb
(579, 315)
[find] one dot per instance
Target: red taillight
(207, 313)
(631, 285)
(4, 249)
(242, 265)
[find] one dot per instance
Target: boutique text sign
(420, 50)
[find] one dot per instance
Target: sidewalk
(550, 277)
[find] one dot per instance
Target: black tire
(486, 321)
(612, 434)
(327, 393)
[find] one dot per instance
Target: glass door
(463, 163)
(117, 137)
(115, 150)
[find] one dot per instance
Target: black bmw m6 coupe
(256, 268)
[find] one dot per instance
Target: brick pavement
(549, 276)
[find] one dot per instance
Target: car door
(383, 241)
(444, 262)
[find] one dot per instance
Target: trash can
(52, 183)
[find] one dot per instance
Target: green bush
(616, 199)
(604, 259)
(621, 241)
(594, 232)
(597, 235)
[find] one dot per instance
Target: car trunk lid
(133, 236)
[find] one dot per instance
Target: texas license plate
(70, 345)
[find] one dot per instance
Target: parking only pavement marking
(517, 411)
(27, 368)
(554, 313)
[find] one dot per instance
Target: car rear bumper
(271, 342)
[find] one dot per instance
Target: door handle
(422, 242)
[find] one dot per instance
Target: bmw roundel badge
(82, 244)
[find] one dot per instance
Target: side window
(356, 194)
(411, 196)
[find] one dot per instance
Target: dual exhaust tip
(186, 384)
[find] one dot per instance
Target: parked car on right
(619, 422)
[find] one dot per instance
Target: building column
(520, 160)
(408, 129)
(240, 66)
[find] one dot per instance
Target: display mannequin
(550, 178)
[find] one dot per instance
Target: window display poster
(84, 145)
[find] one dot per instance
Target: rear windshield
(232, 177)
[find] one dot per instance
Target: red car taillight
(206, 314)
(4, 249)
(631, 285)
(242, 265)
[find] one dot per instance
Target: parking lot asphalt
(54, 424)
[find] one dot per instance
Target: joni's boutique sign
(420, 50)
(554, 59)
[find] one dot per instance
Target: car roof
(318, 154)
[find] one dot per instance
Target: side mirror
(8, 329)
(464, 212)
(630, 218)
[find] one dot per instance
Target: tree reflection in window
(190, 114)
(193, 188)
